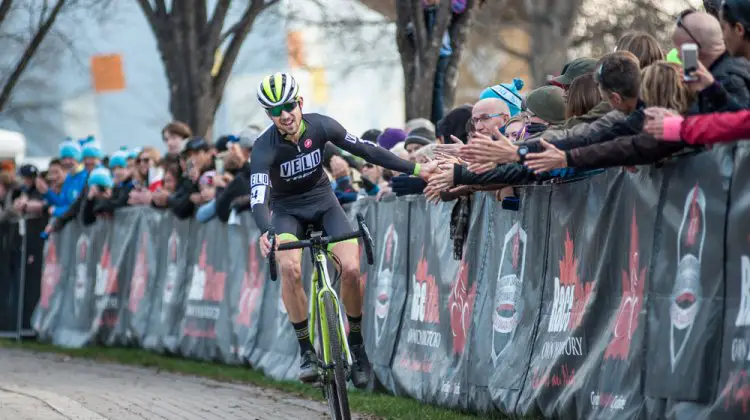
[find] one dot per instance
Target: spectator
(454, 124)
(98, 189)
(416, 139)
(8, 193)
(732, 73)
(573, 70)
(624, 40)
(515, 128)
(91, 152)
(233, 187)
(123, 183)
(371, 135)
(147, 159)
(198, 157)
(374, 174)
(712, 7)
(223, 143)
(735, 25)
(415, 123)
(581, 98)
(489, 115)
(343, 187)
(73, 183)
(391, 137)
(175, 135)
(546, 106)
(425, 154)
(644, 46)
(30, 201)
(508, 92)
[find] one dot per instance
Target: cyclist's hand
(265, 244)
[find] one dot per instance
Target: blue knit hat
(118, 159)
(70, 149)
(101, 177)
(91, 148)
(508, 92)
(134, 152)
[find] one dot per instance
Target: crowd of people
(635, 106)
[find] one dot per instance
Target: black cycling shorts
(292, 215)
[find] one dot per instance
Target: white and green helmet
(277, 89)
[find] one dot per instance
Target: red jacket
(721, 127)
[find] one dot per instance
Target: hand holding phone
(219, 166)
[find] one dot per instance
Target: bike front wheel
(338, 398)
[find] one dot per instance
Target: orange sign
(296, 47)
(107, 73)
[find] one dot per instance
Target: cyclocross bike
(326, 324)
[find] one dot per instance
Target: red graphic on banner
(107, 273)
(569, 277)
(516, 249)
(633, 283)
(215, 281)
(427, 300)
(552, 378)
(140, 276)
(251, 288)
(737, 391)
(51, 274)
(461, 304)
(695, 219)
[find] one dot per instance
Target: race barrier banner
(622, 295)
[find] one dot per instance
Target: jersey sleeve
(260, 163)
(367, 150)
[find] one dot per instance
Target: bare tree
(40, 28)
(188, 39)
(419, 47)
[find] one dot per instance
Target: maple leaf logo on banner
(633, 282)
(140, 276)
(106, 275)
(209, 280)
(461, 304)
(571, 296)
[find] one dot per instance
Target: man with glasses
(488, 115)
(731, 73)
(287, 166)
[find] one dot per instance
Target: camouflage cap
(547, 103)
(576, 68)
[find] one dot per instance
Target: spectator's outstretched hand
(483, 149)
(551, 158)
(427, 170)
(480, 168)
(139, 197)
(441, 181)
(160, 198)
(451, 149)
(655, 121)
(20, 204)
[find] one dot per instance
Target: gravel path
(54, 387)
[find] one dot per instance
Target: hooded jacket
(599, 111)
(239, 186)
(733, 73)
(709, 128)
(72, 187)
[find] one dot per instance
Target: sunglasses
(277, 110)
(681, 24)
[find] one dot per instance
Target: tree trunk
(420, 50)
(23, 62)
(459, 31)
(551, 25)
(188, 40)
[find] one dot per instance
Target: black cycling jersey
(294, 169)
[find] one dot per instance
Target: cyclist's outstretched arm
(367, 150)
(260, 183)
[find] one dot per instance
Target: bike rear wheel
(338, 398)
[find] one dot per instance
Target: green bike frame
(318, 289)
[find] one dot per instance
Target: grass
(375, 404)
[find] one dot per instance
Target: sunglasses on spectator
(485, 117)
(277, 110)
(681, 24)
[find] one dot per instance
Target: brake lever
(367, 238)
(272, 255)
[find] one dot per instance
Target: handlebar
(320, 242)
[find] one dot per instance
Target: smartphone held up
(689, 61)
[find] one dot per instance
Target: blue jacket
(71, 188)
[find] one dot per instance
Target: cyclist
(286, 167)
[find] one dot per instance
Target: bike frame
(320, 285)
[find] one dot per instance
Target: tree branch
(230, 55)
(28, 53)
(213, 29)
(5, 7)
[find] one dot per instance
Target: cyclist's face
(288, 120)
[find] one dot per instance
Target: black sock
(303, 336)
(355, 329)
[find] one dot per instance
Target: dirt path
(54, 387)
